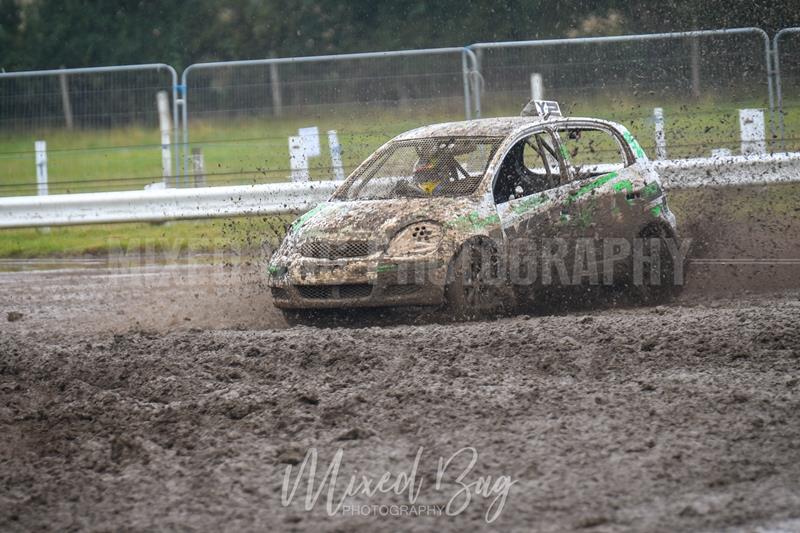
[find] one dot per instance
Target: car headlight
(418, 238)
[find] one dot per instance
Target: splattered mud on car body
(348, 251)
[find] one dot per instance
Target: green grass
(255, 150)
(246, 235)
(240, 151)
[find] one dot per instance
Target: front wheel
(474, 288)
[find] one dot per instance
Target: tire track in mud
(670, 418)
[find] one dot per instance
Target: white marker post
(41, 172)
(751, 126)
(661, 140)
(298, 161)
(302, 147)
(537, 86)
(310, 138)
(41, 167)
(162, 100)
(336, 155)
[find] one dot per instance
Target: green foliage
(37, 34)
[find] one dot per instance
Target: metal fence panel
(700, 78)
(241, 113)
(100, 125)
(786, 50)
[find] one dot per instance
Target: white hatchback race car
(484, 214)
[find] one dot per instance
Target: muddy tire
(473, 288)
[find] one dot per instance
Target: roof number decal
(541, 108)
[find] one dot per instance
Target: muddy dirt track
(174, 398)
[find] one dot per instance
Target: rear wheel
(474, 288)
(658, 283)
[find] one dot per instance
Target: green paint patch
(300, 222)
(528, 203)
(389, 267)
(634, 144)
(625, 185)
(591, 186)
(656, 210)
(474, 220)
(277, 270)
(651, 190)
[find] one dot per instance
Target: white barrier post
(41, 172)
(302, 147)
(310, 138)
(661, 141)
(751, 126)
(298, 161)
(537, 86)
(198, 167)
(336, 155)
(41, 167)
(164, 123)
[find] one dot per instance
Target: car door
(528, 188)
(598, 197)
(595, 156)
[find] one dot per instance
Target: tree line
(38, 34)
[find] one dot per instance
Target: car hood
(376, 219)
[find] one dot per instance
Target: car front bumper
(308, 283)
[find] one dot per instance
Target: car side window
(531, 166)
(590, 152)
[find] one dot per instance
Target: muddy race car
(481, 215)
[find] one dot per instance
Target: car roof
(487, 127)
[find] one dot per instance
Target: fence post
(41, 173)
(776, 71)
(177, 96)
(695, 62)
(336, 155)
(298, 161)
(465, 80)
(65, 103)
(537, 86)
(751, 126)
(164, 123)
(41, 167)
(198, 167)
(184, 105)
(275, 85)
(661, 141)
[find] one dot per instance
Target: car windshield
(419, 168)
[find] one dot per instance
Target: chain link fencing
(100, 125)
(241, 113)
(232, 121)
(701, 79)
(786, 49)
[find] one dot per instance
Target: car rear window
(419, 168)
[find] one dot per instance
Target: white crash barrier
(160, 205)
(289, 197)
(729, 170)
